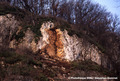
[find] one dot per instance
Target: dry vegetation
(83, 18)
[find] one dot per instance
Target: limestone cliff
(54, 42)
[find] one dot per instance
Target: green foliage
(25, 70)
(92, 41)
(71, 32)
(31, 61)
(88, 65)
(62, 25)
(16, 64)
(5, 54)
(100, 47)
(10, 57)
(15, 69)
(12, 60)
(20, 35)
(36, 39)
(2, 72)
(45, 19)
(35, 28)
(41, 77)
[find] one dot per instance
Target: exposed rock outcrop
(54, 42)
(8, 26)
(59, 43)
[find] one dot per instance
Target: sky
(112, 6)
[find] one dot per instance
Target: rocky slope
(53, 43)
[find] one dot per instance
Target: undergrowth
(17, 64)
(88, 65)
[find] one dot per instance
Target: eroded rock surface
(58, 43)
(51, 41)
(54, 42)
(77, 48)
(8, 26)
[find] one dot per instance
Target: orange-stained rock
(59, 43)
(51, 48)
(53, 42)
(55, 46)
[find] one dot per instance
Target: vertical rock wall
(58, 43)
(77, 48)
(54, 42)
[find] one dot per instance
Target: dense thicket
(93, 20)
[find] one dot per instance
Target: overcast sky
(112, 6)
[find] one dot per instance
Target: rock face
(54, 42)
(28, 41)
(58, 43)
(77, 48)
(8, 26)
(51, 41)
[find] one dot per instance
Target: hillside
(48, 48)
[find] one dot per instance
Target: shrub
(71, 32)
(41, 77)
(10, 57)
(92, 41)
(13, 58)
(25, 70)
(2, 72)
(14, 70)
(20, 35)
(88, 65)
(62, 24)
(5, 54)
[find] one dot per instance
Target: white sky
(112, 6)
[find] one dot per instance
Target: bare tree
(115, 23)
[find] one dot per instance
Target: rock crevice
(54, 46)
